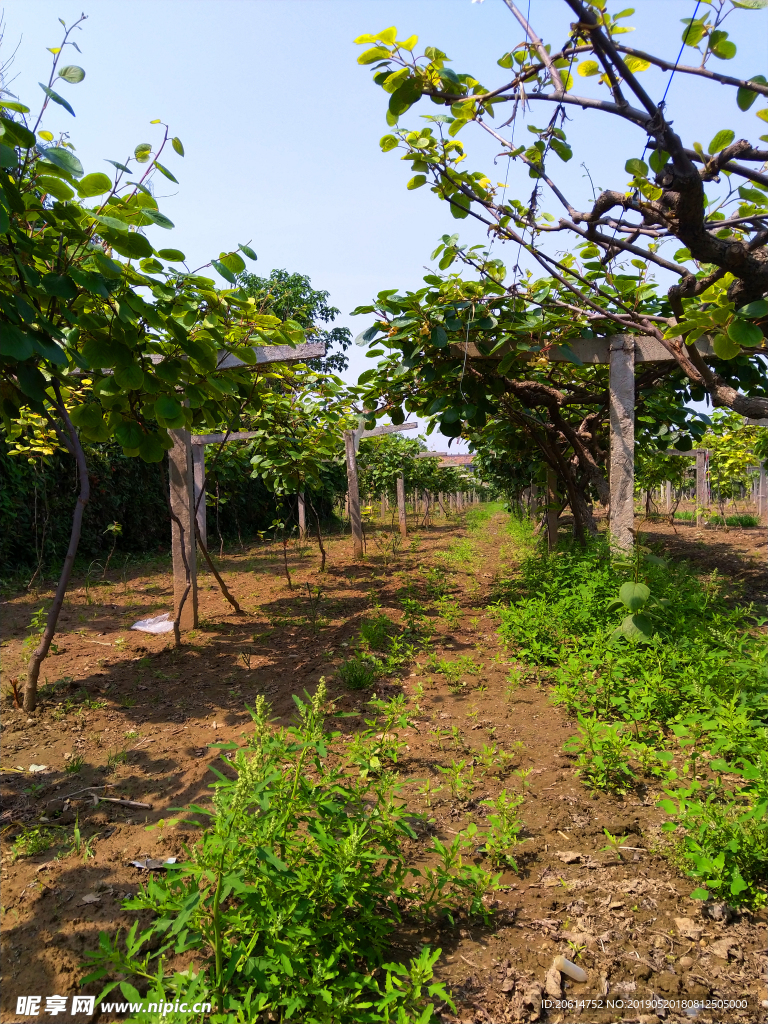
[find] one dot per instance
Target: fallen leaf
(38, 767)
(722, 947)
(91, 897)
(569, 856)
(150, 864)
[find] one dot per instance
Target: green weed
(31, 841)
(357, 673)
(680, 676)
(290, 896)
(74, 765)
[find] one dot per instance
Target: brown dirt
(163, 706)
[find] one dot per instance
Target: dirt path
(140, 715)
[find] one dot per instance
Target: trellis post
(186, 472)
(621, 350)
(183, 539)
(352, 440)
(401, 513)
(302, 516)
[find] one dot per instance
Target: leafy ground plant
(669, 682)
(286, 903)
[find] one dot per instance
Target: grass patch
(674, 693)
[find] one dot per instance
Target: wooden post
(622, 455)
(198, 473)
(302, 516)
(440, 500)
(353, 494)
(701, 485)
(401, 513)
(383, 506)
(551, 508)
(181, 476)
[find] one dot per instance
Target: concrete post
(551, 509)
(401, 514)
(622, 457)
(198, 472)
(762, 493)
(353, 494)
(668, 495)
(701, 486)
(181, 476)
(302, 516)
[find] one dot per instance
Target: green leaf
(129, 434)
(171, 255)
(637, 627)
(248, 252)
(166, 172)
(130, 378)
(587, 68)
(762, 114)
(723, 138)
(724, 347)
(167, 407)
(71, 73)
(65, 160)
(562, 149)
(404, 97)
(60, 285)
(742, 332)
(8, 156)
(119, 166)
(636, 167)
(634, 595)
(751, 5)
(107, 266)
(151, 448)
(14, 342)
(143, 152)
(438, 337)
(131, 245)
(56, 98)
(746, 97)
(87, 416)
(232, 261)
(94, 185)
(17, 134)
(157, 218)
(756, 309)
(177, 146)
(31, 381)
(753, 195)
(658, 159)
(388, 142)
(724, 49)
(417, 181)
(55, 187)
(224, 271)
(374, 54)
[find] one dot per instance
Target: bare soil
(148, 712)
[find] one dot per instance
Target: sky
(281, 126)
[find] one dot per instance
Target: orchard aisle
(127, 712)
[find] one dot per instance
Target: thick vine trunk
(41, 651)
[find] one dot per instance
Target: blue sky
(281, 126)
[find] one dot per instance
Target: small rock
(687, 928)
(686, 961)
(508, 985)
(719, 912)
(553, 983)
